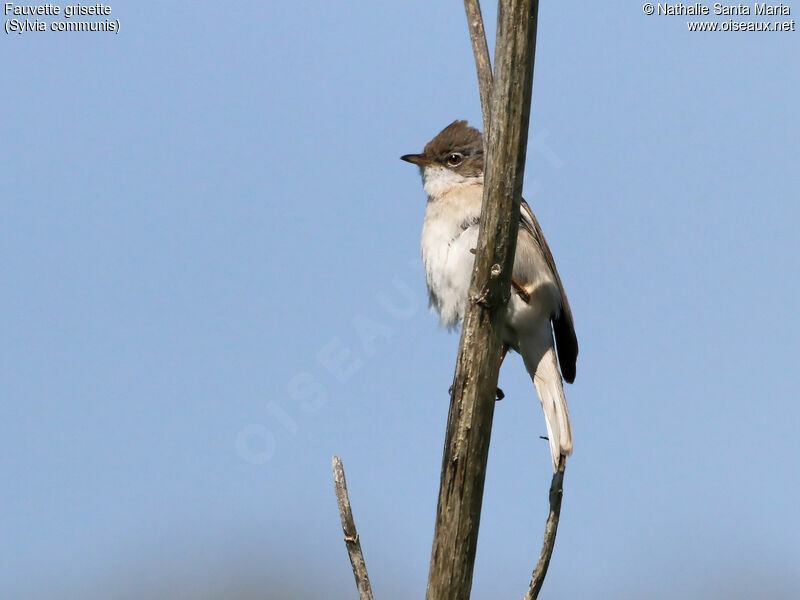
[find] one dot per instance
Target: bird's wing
(563, 325)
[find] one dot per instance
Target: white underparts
(449, 232)
(438, 181)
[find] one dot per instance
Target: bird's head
(453, 158)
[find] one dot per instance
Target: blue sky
(209, 257)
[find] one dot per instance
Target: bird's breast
(449, 235)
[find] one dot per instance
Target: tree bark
(351, 538)
(483, 64)
(550, 531)
(469, 422)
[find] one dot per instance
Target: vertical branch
(475, 382)
(483, 64)
(350, 534)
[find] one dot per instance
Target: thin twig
(350, 534)
(550, 530)
(483, 64)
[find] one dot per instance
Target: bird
(538, 321)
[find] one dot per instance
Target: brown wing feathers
(563, 325)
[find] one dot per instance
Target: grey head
(458, 147)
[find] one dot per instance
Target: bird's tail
(547, 379)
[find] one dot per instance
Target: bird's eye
(454, 159)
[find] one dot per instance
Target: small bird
(452, 176)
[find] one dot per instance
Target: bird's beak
(417, 159)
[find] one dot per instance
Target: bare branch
(469, 422)
(350, 534)
(483, 64)
(550, 530)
